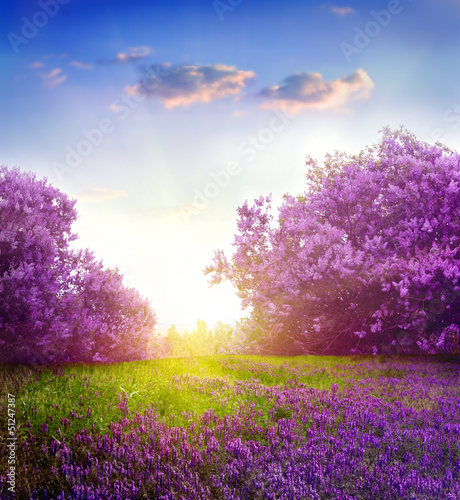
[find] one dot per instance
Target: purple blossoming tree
(58, 304)
(368, 257)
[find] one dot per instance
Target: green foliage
(202, 341)
(177, 388)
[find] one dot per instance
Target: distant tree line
(205, 341)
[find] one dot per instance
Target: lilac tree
(59, 304)
(365, 259)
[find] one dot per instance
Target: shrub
(58, 304)
(365, 259)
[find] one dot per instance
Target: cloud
(342, 11)
(36, 65)
(114, 107)
(98, 195)
(309, 90)
(132, 54)
(81, 65)
(129, 91)
(53, 78)
(183, 84)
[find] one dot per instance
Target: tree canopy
(59, 304)
(365, 259)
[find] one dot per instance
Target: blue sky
(161, 118)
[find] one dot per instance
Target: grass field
(234, 427)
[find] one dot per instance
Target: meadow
(235, 427)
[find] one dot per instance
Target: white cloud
(81, 65)
(132, 54)
(342, 11)
(98, 195)
(36, 65)
(53, 78)
(183, 85)
(309, 90)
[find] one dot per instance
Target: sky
(162, 118)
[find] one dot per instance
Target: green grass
(57, 403)
(178, 389)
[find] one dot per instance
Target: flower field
(236, 427)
